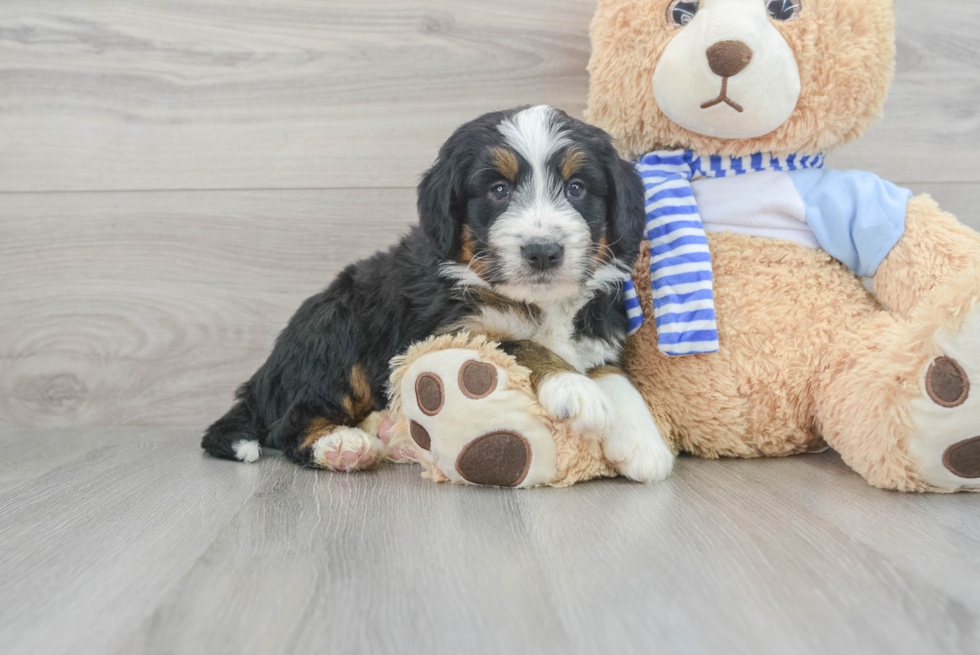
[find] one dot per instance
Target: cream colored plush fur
(577, 458)
(807, 354)
(845, 52)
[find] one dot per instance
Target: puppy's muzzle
(543, 255)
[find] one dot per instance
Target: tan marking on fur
(572, 163)
(542, 362)
(480, 298)
(362, 404)
(319, 427)
(488, 298)
(603, 254)
(506, 162)
(600, 372)
(468, 252)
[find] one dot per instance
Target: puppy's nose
(543, 255)
(729, 58)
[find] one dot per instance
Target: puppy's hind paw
(247, 451)
(347, 449)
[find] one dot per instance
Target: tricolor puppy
(529, 224)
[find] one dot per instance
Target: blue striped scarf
(680, 261)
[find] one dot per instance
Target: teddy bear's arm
(935, 250)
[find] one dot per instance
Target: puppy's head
(534, 204)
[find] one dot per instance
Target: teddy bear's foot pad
(499, 459)
(469, 420)
(948, 386)
(947, 383)
(946, 450)
(963, 458)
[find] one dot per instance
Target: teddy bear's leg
(932, 279)
(899, 410)
(935, 251)
(472, 421)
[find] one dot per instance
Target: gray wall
(176, 177)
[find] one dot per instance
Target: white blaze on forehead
(536, 134)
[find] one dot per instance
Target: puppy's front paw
(634, 445)
(577, 398)
(640, 457)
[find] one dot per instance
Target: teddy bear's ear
(440, 203)
(626, 213)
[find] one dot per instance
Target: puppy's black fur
(379, 306)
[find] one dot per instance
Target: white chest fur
(554, 329)
(556, 333)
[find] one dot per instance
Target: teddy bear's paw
(946, 448)
(578, 399)
(347, 449)
(397, 452)
(468, 421)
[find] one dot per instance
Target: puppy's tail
(236, 435)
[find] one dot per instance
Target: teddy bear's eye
(680, 12)
(784, 9)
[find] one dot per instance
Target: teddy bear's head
(736, 77)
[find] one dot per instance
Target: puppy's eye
(500, 191)
(784, 10)
(575, 190)
(681, 12)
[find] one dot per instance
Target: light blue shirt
(856, 216)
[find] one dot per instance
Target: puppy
(529, 224)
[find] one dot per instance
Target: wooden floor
(176, 177)
(130, 541)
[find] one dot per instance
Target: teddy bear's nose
(729, 58)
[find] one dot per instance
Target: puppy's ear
(626, 207)
(440, 204)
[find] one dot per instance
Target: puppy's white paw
(633, 444)
(347, 449)
(640, 457)
(247, 451)
(577, 398)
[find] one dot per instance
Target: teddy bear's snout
(729, 58)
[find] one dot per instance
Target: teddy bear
(778, 306)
